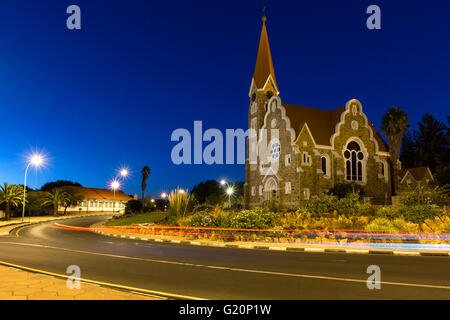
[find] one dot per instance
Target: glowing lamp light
(36, 160)
(181, 191)
(222, 182)
(124, 172)
(230, 191)
(163, 195)
(153, 200)
(115, 185)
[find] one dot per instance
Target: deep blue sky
(113, 92)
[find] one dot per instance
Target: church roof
(264, 63)
(322, 123)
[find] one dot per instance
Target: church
(314, 149)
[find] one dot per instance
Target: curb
(26, 224)
(260, 247)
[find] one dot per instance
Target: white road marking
(278, 248)
(314, 250)
(356, 251)
(407, 253)
(297, 275)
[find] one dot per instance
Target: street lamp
(163, 195)
(36, 160)
(230, 192)
(223, 182)
(115, 185)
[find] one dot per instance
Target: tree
(394, 125)
(208, 192)
(133, 206)
(12, 196)
(55, 198)
(145, 173)
(72, 199)
(432, 143)
(49, 186)
(408, 154)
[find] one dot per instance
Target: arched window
(324, 165)
(353, 161)
(382, 169)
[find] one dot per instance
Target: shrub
(178, 203)
(381, 225)
(272, 206)
(342, 189)
(133, 206)
(404, 226)
(318, 206)
(349, 205)
(388, 212)
(206, 218)
(418, 213)
(202, 219)
(257, 218)
(425, 195)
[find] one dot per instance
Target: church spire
(264, 65)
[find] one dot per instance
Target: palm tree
(55, 198)
(11, 195)
(145, 173)
(394, 125)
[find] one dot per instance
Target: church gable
(353, 122)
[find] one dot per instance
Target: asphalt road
(223, 273)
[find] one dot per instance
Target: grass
(149, 217)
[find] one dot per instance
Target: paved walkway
(16, 284)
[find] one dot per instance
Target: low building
(98, 200)
(413, 177)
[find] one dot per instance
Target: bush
(272, 206)
(207, 218)
(381, 225)
(178, 203)
(257, 218)
(202, 219)
(133, 206)
(425, 195)
(388, 213)
(341, 190)
(350, 205)
(318, 206)
(418, 213)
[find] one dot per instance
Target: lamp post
(35, 160)
(114, 186)
(230, 192)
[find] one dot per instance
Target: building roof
(418, 173)
(264, 63)
(322, 123)
(98, 193)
